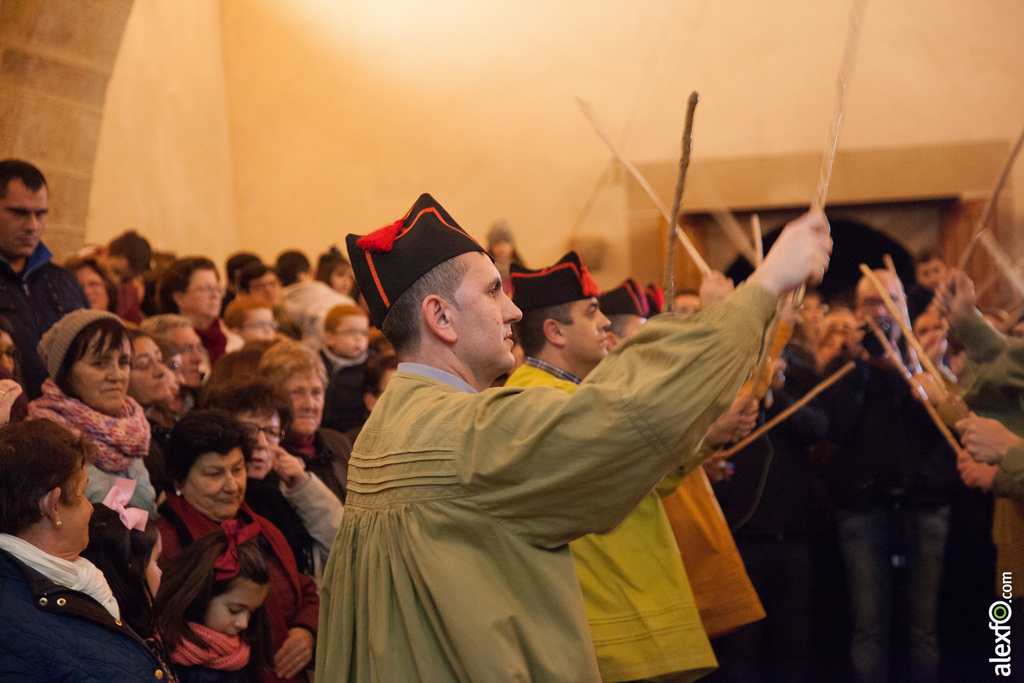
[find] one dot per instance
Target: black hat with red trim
(655, 299)
(568, 280)
(388, 261)
(626, 299)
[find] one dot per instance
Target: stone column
(56, 57)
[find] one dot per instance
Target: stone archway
(56, 58)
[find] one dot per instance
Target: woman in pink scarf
(88, 356)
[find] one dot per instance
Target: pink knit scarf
(219, 650)
(119, 440)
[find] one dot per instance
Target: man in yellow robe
(452, 562)
(643, 619)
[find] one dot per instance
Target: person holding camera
(892, 478)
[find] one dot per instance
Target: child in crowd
(125, 545)
(251, 319)
(345, 352)
(209, 607)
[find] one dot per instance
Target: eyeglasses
(261, 325)
(173, 366)
(271, 433)
(208, 289)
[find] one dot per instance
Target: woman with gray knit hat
(88, 357)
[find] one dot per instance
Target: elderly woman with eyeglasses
(191, 287)
(88, 356)
(154, 384)
(60, 620)
(279, 487)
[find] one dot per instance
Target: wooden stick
(588, 112)
(907, 332)
(1002, 261)
(990, 207)
(677, 199)
(804, 400)
(755, 229)
(911, 353)
(916, 388)
(845, 67)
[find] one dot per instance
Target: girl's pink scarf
(119, 440)
(219, 650)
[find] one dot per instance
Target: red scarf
(119, 439)
(218, 651)
(214, 339)
(198, 526)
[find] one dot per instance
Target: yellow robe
(642, 615)
(452, 560)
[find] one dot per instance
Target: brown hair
(36, 457)
(334, 316)
(238, 310)
(287, 358)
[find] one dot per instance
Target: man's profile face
(484, 318)
(22, 219)
(585, 338)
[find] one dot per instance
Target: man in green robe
(452, 561)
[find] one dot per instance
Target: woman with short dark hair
(206, 458)
(60, 620)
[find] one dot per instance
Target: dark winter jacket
(33, 301)
(52, 633)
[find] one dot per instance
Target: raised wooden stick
(677, 199)
(907, 332)
(845, 67)
(755, 229)
(911, 353)
(916, 388)
(990, 207)
(1002, 261)
(804, 400)
(588, 112)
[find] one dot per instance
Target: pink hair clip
(117, 498)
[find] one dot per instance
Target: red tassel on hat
(590, 286)
(381, 240)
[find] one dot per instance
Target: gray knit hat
(57, 340)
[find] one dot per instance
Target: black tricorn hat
(568, 280)
(387, 261)
(655, 299)
(626, 299)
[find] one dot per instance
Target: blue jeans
(867, 543)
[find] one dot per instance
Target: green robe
(452, 560)
(994, 388)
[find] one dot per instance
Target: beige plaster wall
(163, 162)
(332, 116)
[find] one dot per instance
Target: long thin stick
(804, 400)
(845, 67)
(990, 207)
(907, 332)
(588, 112)
(755, 229)
(677, 199)
(916, 388)
(911, 353)
(1002, 261)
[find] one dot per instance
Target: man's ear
(553, 332)
(437, 314)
